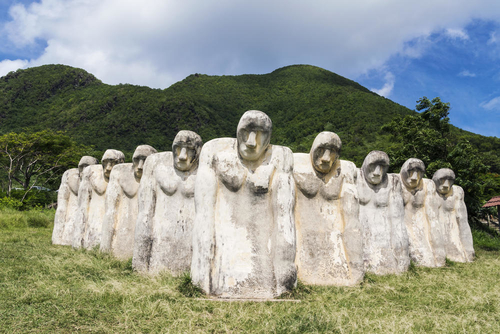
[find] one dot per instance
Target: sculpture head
(412, 172)
(325, 151)
(86, 161)
(109, 160)
(253, 134)
(443, 179)
(186, 150)
(375, 167)
(140, 155)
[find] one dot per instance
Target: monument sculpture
(329, 233)
(91, 200)
(424, 239)
(121, 205)
(67, 202)
(449, 213)
(381, 214)
(244, 231)
(164, 227)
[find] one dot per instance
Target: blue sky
(401, 49)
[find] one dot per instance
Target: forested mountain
(301, 100)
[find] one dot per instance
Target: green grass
(12, 218)
(46, 288)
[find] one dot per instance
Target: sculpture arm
(463, 224)
(353, 230)
(84, 196)
(205, 196)
(285, 270)
(112, 201)
(436, 229)
(399, 234)
(143, 239)
(62, 207)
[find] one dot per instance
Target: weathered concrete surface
(118, 229)
(67, 205)
(91, 200)
(67, 202)
(381, 212)
(244, 233)
(329, 233)
(163, 236)
(420, 234)
(448, 217)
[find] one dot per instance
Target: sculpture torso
(96, 208)
(64, 221)
(319, 216)
(174, 212)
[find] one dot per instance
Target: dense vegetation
(302, 100)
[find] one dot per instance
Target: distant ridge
(302, 100)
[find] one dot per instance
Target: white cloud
(457, 34)
(386, 90)
(7, 65)
(157, 42)
(466, 73)
(493, 104)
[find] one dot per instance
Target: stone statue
(91, 200)
(118, 229)
(423, 245)
(329, 233)
(67, 202)
(244, 231)
(381, 213)
(449, 213)
(164, 227)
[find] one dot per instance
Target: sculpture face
(412, 172)
(375, 167)
(253, 134)
(186, 150)
(325, 151)
(85, 161)
(444, 179)
(140, 155)
(109, 160)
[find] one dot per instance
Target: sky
(400, 49)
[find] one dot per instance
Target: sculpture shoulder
(302, 163)
(158, 158)
(349, 170)
(394, 181)
(217, 145)
(458, 192)
(70, 172)
(121, 169)
(282, 157)
(92, 171)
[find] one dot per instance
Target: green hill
(301, 100)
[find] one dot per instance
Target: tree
(37, 159)
(427, 136)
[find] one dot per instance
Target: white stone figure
(423, 238)
(448, 212)
(164, 227)
(381, 213)
(118, 230)
(67, 202)
(91, 200)
(244, 233)
(329, 233)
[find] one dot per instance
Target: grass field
(46, 288)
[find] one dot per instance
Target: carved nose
(326, 156)
(414, 176)
(141, 164)
(377, 171)
(251, 141)
(183, 154)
